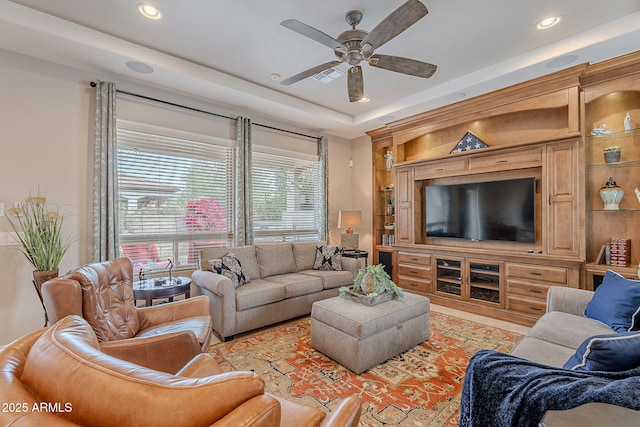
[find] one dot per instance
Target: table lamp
(347, 220)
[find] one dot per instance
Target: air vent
(328, 75)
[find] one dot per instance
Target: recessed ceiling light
(149, 11)
(139, 67)
(363, 100)
(549, 22)
(562, 61)
(275, 76)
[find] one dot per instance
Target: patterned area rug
(420, 387)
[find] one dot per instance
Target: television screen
(494, 210)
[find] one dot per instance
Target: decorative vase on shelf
(611, 195)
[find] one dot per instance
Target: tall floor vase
(39, 277)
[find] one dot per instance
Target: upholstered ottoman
(360, 337)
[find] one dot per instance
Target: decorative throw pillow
(616, 303)
(610, 353)
(229, 266)
(328, 257)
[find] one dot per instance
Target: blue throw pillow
(616, 303)
(610, 353)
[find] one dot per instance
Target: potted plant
(612, 154)
(38, 230)
(372, 286)
(389, 201)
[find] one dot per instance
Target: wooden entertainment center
(539, 129)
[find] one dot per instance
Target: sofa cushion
(258, 292)
(543, 352)
(246, 255)
(305, 255)
(616, 302)
(275, 259)
(231, 267)
(296, 284)
(328, 257)
(332, 279)
(611, 352)
(566, 329)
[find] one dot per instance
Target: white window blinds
(285, 195)
(175, 192)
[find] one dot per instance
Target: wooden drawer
(414, 258)
(526, 158)
(526, 305)
(441, 168)
(527, 289)
(550, 275)
(413, 284)
(414, 271)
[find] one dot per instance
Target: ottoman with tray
(360, 337)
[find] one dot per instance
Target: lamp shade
(348, 219)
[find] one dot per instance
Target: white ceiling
(226, 50)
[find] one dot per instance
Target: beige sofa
(283, 285)
(560, 331)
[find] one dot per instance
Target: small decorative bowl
(390, 227)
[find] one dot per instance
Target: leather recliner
(102, 294)
(58, 376)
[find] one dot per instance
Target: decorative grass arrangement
(39, 231)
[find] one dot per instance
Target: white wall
(46, 128)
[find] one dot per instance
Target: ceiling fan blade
(402, 65)
(313, 34)
(398, 21)
(355, 84)
(310, 72)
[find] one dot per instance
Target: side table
(167, 287)
(357, 254)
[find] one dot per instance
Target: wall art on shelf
(469, 142)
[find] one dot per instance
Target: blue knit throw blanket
(507, 391)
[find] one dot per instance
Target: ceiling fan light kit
(355, 46)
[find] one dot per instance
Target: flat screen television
(494, 210)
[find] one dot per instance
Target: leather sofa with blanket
(58, 376)
(254, 286)
(584, 349)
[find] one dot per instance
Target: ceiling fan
(355, 46)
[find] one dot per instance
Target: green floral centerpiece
(612, 153)
(38, 230)
(372, 286)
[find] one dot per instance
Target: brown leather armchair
(164, 337)
(59, 377)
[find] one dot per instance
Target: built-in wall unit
(496, 198)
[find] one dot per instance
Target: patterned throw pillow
(328, 258)
(229, 266)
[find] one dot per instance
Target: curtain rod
(173, 104)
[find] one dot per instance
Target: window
(286, 186)
(175, 194)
